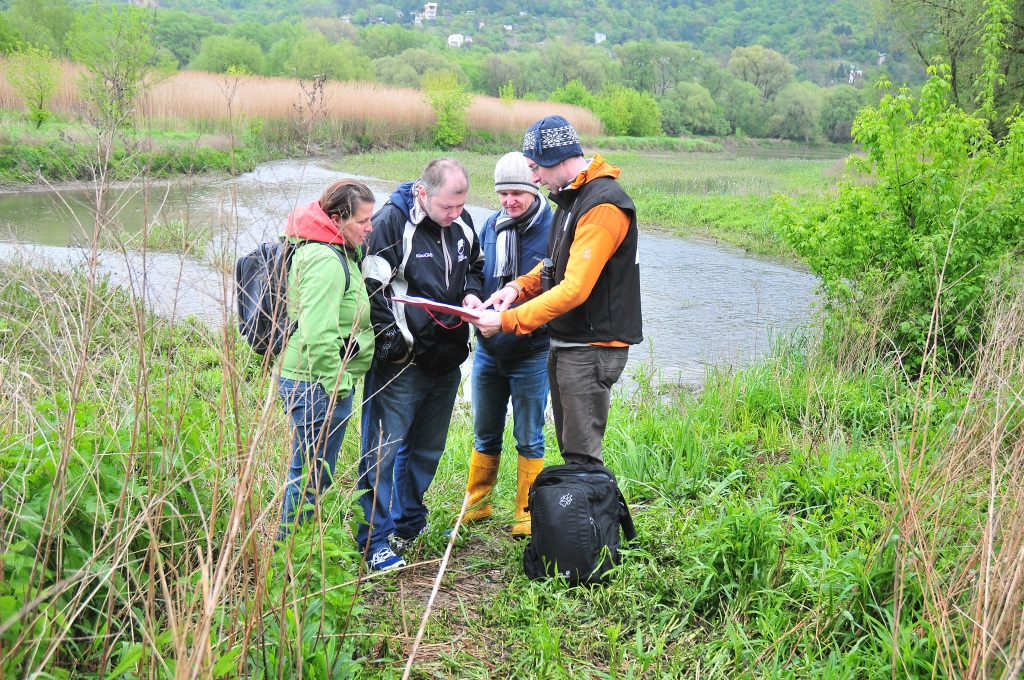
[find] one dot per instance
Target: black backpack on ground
(261, 292)
(575, 514)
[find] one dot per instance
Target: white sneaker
(385, 559)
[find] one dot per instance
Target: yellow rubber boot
(483, 472)
(529, 468)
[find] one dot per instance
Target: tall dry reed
(193, 96)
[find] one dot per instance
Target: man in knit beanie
(510, 367)
(592, 310)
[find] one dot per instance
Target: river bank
(725, 195)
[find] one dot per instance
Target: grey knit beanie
(512, 174)
(550, 141)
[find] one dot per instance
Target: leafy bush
(34, 75)
(627, 112)
(689, 107)
(797, 112)
(839, 111)
(450, 101)
(218, 53)
(926, 219)
(575, 93)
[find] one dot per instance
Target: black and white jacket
(408, 253)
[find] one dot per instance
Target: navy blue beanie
(550, 141)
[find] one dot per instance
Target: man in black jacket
(423, 244)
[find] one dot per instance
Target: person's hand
(502, 299)
(488, 324)
(472, 302)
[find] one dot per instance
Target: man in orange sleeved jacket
(589, 296)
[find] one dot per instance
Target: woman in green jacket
(332, 345)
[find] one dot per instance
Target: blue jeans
(524, 380)
(581, 391)
(406, 413)
(318, 427)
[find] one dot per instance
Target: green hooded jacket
(333, 343)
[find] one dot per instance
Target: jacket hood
(598, 167)
(312, 223)
(403, 199)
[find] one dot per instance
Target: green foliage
(575, 93)
(113, 42)
(34, 75)
(43, 23)
(624, 111)
(10, 38)
(507, 94)
(218, 53)
(689, 108)
(313, 55)
(765, 69)
(941, 210)
(797, 112)
(408, 68)
(743, 107)
(379, 41)
(450, 102)
(182, 33)
(978, 39)
(839, 111)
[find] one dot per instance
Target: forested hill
(800, 29)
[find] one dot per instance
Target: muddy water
(703, 303)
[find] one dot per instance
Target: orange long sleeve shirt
(599, 233)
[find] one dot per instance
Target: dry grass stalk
(962, 502)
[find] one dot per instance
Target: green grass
(172, 236)
(65, 150)
(770, 506)
(724, 196)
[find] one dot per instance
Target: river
(703, 303)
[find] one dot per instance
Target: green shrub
(450, 102)
(34, 74)
(931, 210)
(625, 111)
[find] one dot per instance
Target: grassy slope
(765, 507)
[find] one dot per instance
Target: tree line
(644, 87)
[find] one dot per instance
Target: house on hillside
(430, 11)
(599, 38)
(456, 40)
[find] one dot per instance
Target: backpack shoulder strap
(626, 519)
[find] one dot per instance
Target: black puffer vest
(612, 311)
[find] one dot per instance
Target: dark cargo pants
(581, 381)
